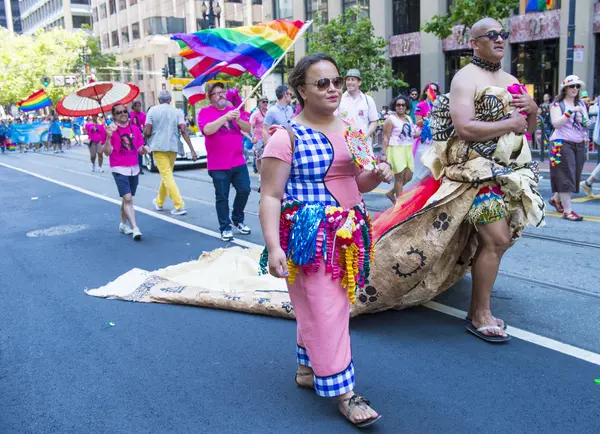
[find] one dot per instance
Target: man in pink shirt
(222, 127)
(138, 118)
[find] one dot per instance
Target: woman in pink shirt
(96, 138)
(124, 142)
(257, 120)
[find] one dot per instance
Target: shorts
(56, 139)
(258, 149)
(95, 147)
(488, 206)
(126, 184)
(400, 158)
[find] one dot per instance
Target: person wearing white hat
(567, 145)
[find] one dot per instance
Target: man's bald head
(483, 26)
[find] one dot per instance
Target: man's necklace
(484, 64)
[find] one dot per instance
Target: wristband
(569, 113)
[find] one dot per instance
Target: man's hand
(143, 150)
(232, 115)
(254, 140)
(577, 109)
(518, 122)
(194, 155)
(525, 103)
(110, 129)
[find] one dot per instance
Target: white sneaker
(586, 189)
(241, 228)
(180, 211)
(100, 169)
(93, 167)
(156, 207)
(124, 229)
(227, 235)
(137, 234)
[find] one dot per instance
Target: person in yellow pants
(164, 126)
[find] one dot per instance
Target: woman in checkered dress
(319, 236)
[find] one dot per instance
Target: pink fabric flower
(518, 89)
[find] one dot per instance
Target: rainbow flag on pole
(256, 48)
(35, 101)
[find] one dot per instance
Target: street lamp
(209, 13)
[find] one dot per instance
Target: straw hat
(570, 80)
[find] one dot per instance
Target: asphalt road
(178, 369)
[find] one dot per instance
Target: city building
(138, 32)
(536, 55)
(47, 14)
(10, 15)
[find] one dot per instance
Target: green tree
(95, 58)
(351, 41)
(26, 59)
(467, 13)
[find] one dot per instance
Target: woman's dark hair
(563, 93)
(423, 96)
(112, 109)
(298, 75)
(406, 101)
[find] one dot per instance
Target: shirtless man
(488, 41)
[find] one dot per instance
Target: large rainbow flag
(36, 101)
(255, 48)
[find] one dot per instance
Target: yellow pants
(165, 161)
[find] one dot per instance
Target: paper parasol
(95, 98)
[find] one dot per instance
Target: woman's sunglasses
(120, 112)
(492, 35)
(574, 86)
(324, 83)
(400, 105)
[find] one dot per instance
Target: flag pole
(300, 33)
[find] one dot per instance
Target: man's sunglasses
(324, 83)
(574, 86)
(120, 112)
(492, 35)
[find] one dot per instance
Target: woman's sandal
(557, 205)
(572, 216)
(362, 403)
(304, 374)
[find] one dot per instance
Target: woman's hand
(278, 263)
(384, 171)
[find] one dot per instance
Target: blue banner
(29, 133)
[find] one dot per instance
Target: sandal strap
(304, 374)
(356, 401)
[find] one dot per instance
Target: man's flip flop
(491, 339)
(469, 320)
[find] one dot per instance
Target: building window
(139, 73)
(114, 36)
(135, 31)
(103, 11)
(361, 5)
(233, 23)
(163, 25)
(409, 69)
(112, 6)
(125, 35)
(132, 2)
(79, 21)
(149, 65)
(283, 9)
(80, 2)
(406, 16)
(233, 1)
(535, 64)
(126, 72)
(316, 7)
(95, 14)
(122, 4)
(105, 41)
(257, 2)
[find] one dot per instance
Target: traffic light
(172, 66)
(45, 81)
(165, 71)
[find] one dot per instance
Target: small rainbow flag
(255, 48)
(36, 101)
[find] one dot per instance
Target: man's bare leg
(494, 240)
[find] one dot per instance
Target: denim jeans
(222, 179)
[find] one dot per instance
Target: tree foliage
(351, 41)
(26, 59)
(467, 13)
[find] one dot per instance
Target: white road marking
(533, 338)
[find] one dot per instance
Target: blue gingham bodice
(312, 158)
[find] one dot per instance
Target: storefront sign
(535, 26)
(578, 53)
(458, 40)
(408, 44)
(596, 18)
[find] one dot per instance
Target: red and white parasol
(96, 98)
